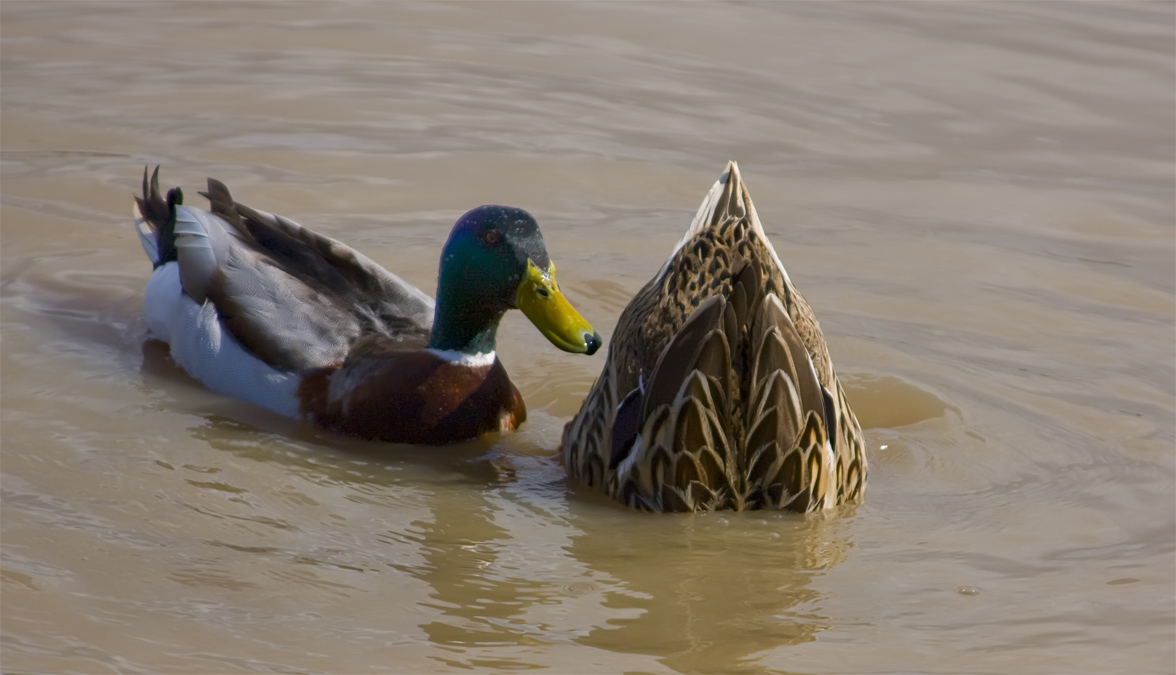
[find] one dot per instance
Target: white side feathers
(201, 346)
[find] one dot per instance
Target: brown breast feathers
(412, 397)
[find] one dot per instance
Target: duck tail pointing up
(155, 219)
(728, 201)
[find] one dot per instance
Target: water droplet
(578, 587)
(968, 590)
(883, 447)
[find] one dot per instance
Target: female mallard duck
(262, 309)
(718, 391)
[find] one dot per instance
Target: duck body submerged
(264, 310)
(718, 391)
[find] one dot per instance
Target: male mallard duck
(718, 391)
(262, 309)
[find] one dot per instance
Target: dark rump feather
(160, 214)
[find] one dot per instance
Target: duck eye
(491, 237)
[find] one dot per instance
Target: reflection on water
(481, 597)
(977, 199)
(705, 593)
(714, 591)
(885, 401)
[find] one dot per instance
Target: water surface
(976, 198)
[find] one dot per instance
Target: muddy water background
(977, 199)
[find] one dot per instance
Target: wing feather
(291, 297)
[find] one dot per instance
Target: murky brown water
(977, 199)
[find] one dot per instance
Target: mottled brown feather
(743, 409)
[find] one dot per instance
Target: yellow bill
(539, 298)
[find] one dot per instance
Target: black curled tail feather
(160, 214)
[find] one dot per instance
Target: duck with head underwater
(264, 310)
(718, 392)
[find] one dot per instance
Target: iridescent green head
(495, 260)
